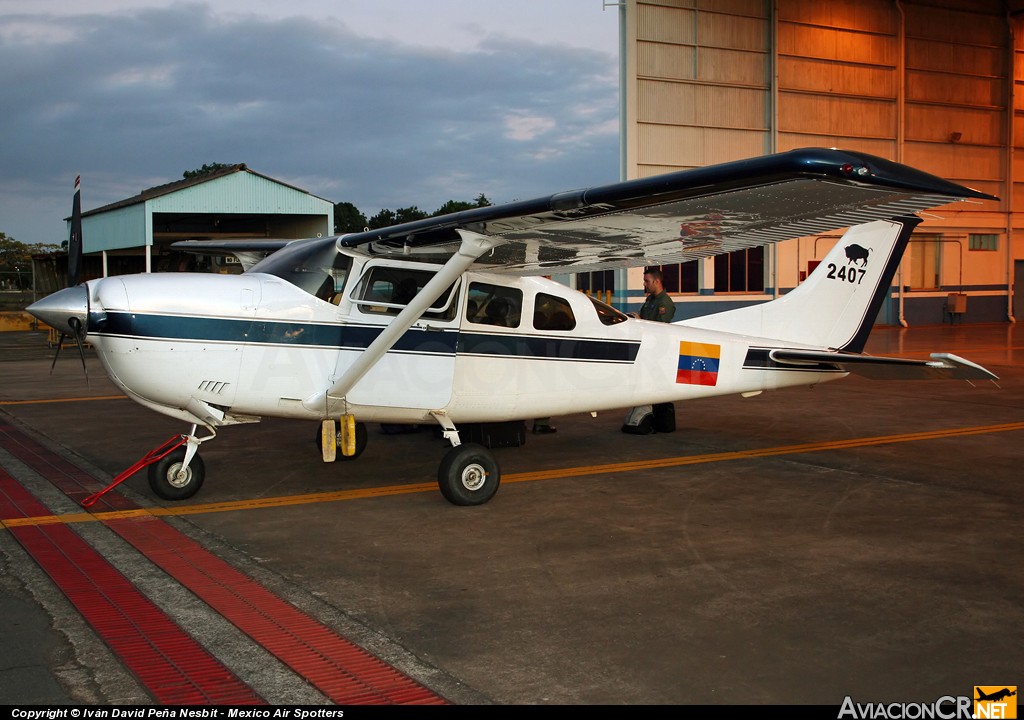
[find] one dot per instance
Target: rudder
(836, 306)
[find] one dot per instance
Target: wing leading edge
(678, 216)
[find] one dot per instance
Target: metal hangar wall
(932, 83)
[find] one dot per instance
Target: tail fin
(836, 306)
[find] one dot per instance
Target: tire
(362, 436)
(468, 475)
(664, 416)
(163, 480)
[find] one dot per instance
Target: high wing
(941, 366)
(677, 216)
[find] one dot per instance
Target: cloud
(524, 127)
(132, 99)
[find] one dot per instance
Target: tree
(206, 169)
(457, 205)
(16, 261)
(382, 219)
(347, 218)
(402, 215)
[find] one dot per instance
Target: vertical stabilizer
(836, 306)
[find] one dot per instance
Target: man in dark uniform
(658, 307)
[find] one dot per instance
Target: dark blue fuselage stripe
(546, 347)
(355, 337)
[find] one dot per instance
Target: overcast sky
(381, 103)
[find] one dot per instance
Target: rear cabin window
(387, 290)
(552, 313)
(489, 304)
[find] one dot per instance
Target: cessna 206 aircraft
(449, 319)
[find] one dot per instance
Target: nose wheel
(171, 479)
(179, 474)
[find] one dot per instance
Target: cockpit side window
(552, 313)
(385, 290)
(490, 304)
(315, 266)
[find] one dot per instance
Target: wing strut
(473, 247)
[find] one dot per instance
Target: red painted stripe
(170, 665)
(338, 668)
(343, 671)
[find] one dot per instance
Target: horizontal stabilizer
(942, 366)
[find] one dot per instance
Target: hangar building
(135, 234)
(935, 84)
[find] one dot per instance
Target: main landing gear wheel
(469, 475)
(167, 480)
(361, 438)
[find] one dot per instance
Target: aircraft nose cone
(66, 310)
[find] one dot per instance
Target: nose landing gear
(176, 471)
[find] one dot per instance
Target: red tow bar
(172, 444)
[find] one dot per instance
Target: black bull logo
(855, 253)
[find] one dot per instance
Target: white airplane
(448, 320)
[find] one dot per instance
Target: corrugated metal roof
(167, 189)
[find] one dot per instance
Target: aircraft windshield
(316, 266)
(607, 314)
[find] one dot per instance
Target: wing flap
(942, 366)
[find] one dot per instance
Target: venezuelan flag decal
(698, 363)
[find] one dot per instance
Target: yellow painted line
(63, 400)
(763, 452)
(342, 495)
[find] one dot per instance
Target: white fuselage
(221, 349)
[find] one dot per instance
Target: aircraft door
(419, 370)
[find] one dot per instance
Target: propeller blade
(79, 329)
(75, 239)
(56, 354)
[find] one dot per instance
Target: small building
(134, 235)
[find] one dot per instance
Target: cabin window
(386, 290)
(489, 304)
(315, 266)
(552, 313)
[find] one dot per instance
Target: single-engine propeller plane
(449, 319)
